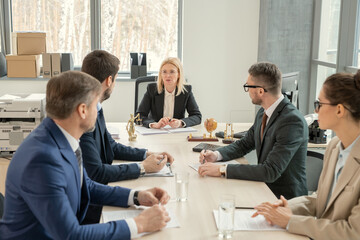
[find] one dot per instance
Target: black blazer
(151, 108)
(281, 154)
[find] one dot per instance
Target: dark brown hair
(65, 92)
(101, 64)
(344, 88)
(268, 75)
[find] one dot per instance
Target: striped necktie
(79, 158)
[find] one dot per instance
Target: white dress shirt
(169, 102)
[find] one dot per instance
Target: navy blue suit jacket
(100, 149)
(43, 197)
(281, 154)
(151, 108)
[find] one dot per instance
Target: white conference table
(195, 216)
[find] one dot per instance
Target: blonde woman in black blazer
(165, 102)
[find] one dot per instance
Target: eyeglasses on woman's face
(318, 104)
(247, 87)
(171, 72)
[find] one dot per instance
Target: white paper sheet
(244, 222)
(196, 166)
(165, 130)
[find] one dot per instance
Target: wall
(220, 43)
(285, 38)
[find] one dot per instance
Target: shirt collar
(348, 149)
(169, 94)
(99, 106)
(273, 106)
(74, 143)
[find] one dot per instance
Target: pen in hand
(203, 161)
(160, 160)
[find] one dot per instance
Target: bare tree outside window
(126, 26)
(66, 23)
(140, 26)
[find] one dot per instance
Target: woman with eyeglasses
(334, 211)
(166, 101)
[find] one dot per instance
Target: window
(137, 26)
(357, 50)
(329, 30)
(336, 41)
(126, 26)
(66, 23)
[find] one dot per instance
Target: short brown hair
(269, 76)
(66, 91)
(100, 64)
(344, 88)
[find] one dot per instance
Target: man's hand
(154, 163)
(209, 169)
(175, 123)
(207, 156)
(153, 196)
(170, 159)
(274, 214)
(152, 219)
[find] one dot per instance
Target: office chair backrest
(290, 87)
(314, 165)
(140, 88)
(1, 205)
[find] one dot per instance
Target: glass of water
(182, 184)
(226, 215)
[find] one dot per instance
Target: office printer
(19, 115)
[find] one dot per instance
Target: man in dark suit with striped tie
(99, 149)
(279, 135)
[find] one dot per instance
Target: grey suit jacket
(340, 218)
(151, 108)
(281, 154)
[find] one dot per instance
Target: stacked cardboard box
(26, 48)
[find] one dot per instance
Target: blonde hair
(181, 80)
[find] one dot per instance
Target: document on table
(164, 172)
(196, 166)
(114, 132)
(244, 222)
(109, 216)
(165, 130)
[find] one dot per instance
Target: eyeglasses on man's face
(246, 87)
(318, 104)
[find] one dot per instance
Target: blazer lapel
(159, 103)
(179, 104)
(65, 148)
(327, 182)
(351, 167)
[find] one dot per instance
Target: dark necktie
(79, 158)
(263, 125)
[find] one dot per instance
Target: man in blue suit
(48, 191)
(279, 135)
(99, 148)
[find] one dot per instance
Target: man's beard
(106, 94)
(90, 129)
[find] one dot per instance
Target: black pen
(160, 160)
(204, 153)
(244, 208)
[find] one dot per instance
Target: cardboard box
(55, 64)
(28, 43)
(46, 59)
(23, 66)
